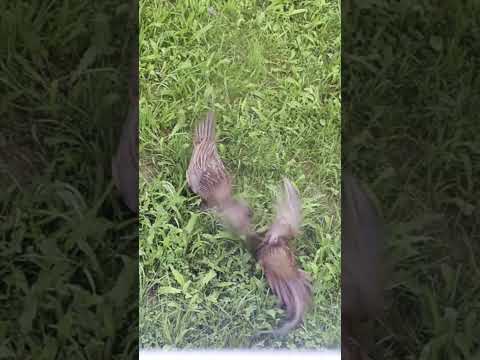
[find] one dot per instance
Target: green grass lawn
(271, 72)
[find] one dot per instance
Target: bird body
(208, 178)
(289, 283)
(125, 161)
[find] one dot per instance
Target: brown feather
(208, 178)
(289, 283)
(206, 174)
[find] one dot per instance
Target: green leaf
(50, 349)
(178, 277)
(168, 290)
(64, 327)
(464, 344)
(28, 314)
(296, 12)
(436, 43)
(191, 223)
(207, 278)
(124, 283)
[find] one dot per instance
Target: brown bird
(208, 178)
(362, 267)
(125, 162)
(289, 283)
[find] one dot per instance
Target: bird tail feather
(205, 130)
(295, 295)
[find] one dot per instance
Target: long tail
(288, 326)
(296, 296)
(205, 130)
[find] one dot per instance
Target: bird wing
(205, 130)
(206, 173)
(215, 186)
(288, 213)
(290, 284)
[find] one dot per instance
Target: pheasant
(125, 162)
(208, 178)
(289, 283)
(362, 270)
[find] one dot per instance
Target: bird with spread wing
(273, 252)
(208, 178)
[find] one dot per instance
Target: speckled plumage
(289, 283)
(208, 178)
(206, 173)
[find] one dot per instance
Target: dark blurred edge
(410, 134)
(69, 244)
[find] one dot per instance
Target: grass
(412, 132)
(271, 72)
(68, 256)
